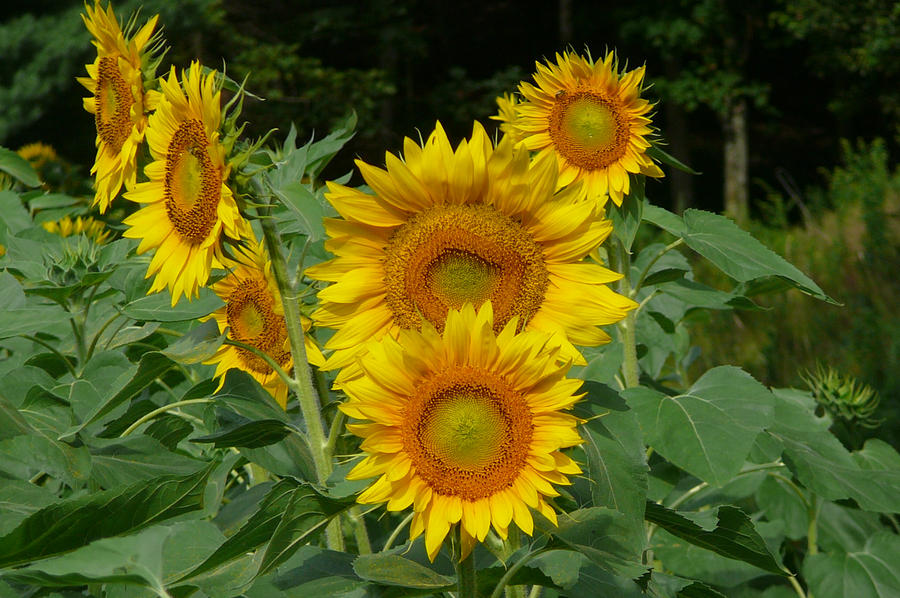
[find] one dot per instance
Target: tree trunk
(735, 129)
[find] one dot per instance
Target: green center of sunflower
(112, 103)
(193, 185)
(458, 277)
(450, 255)
(468, 432)
(253, 321)
(465, 429)
(588, 129)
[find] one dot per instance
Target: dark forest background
(790, 109)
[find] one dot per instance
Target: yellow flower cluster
(188, 211)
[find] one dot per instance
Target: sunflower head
(188, 207)
(120, 99)
(253, 315)
(466, 426)
(592, 118)
(446, 227)
(506, 114)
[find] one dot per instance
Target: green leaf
(733, 535)
(710, 429)
(740, 256)
(158, 307)
(126, 386)
(290, 513)
(312, 571)
(395, 570)
(842, 529)
(18, 167)
(18, 500)
(198, 345)
(304, 207)
(616, 465)
(75, 522)
(251, 434)
(605, 537)
(71, 464)
(308, 512)
(698, 295)
(779, 503)
(121, 461)
(130, 560)
(663, 219)
(690, 561)
(626, 218)
(823, 465)
(50, 201)
(872, 572)
(660, 155)
(31, 320)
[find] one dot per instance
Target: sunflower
(592, 119)
(188, 206)
(506, 105)
(87, 226)
(253, 315)
(443, 228)
(119, 100)
(465, 426)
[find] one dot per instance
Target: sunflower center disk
(467, 432)
(193, 185)
(447, 256)
(253, 321)
(588, 130)
(113, 101)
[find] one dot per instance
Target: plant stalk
(627, 326)
(465, 569)
(302, 382)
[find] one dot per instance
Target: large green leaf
(395, 570)
(289, 515)
(158, 307)
(31, 320)
(732, 535)
(823, 465)
(617, 468)
(129, 560)
(605, 537)
(740, 256)
(710, 429)
(249, 434)
(39, 453)
(18, 167)
(126, 386)
(198, 345)
(872, 572)
(691, 561)
(312, 571)
(72, 523)
(18, 500)
(121, 461)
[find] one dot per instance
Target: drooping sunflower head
(442, 228)
(506, 114)
(119, 100)
(593, 119)
(187, 206)
(467, 425)
(253, 315)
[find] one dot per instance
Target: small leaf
(733, 536)
(305, 208)
(660, 155)
(198, 345)
(395, 570)
(626, 218)
(18, 167)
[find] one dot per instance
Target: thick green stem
(363, 545)
(465, 570)
(302, 383)
(630, 371)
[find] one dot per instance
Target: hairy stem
(627, 326)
